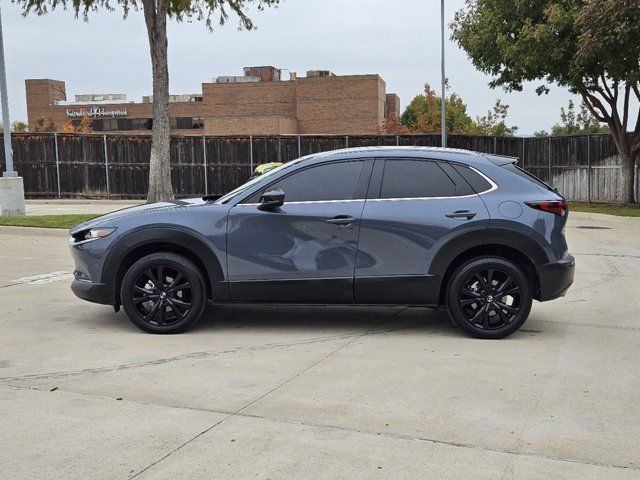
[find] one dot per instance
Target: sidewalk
(67, 207)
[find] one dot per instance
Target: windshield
(259, 179)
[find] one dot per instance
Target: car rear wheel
(163, 293)
(489, 297)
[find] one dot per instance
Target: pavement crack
(39, 279)
(176, 358)
(203, 354)
(615, 255)
(592, 325)
(277, 387)
(399, 436)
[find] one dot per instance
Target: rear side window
(415, 179)
(477, 182)
(523, 173)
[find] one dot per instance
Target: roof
(437, 153)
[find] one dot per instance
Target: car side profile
(469, 232)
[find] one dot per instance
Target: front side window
(332, 181)
(415, 179)
(264, 178)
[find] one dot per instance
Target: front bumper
(92, 292)
(556, 278)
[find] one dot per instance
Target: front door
(305, 250)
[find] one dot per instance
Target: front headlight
(90, 235)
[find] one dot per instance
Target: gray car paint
(251, 246)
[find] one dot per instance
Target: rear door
(414, 206)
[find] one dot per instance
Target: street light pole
(443, 119)
(11, 186)
(6, 130)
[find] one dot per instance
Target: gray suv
(432, 227)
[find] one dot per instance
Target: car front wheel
(163, 293)
(489, 297)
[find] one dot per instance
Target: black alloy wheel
(489, 297)
(163, 293)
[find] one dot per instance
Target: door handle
(341, 220)
(462, 214)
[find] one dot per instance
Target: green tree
(156, 14)
(577, 123)
(19, 127)
(422, 115)
(590, 46)
(494, 122)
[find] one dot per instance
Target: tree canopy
(494, 123)
(573, 122)
(209, 11)
(16, 127)
(156, 13)
(423, 115)
(590, 46)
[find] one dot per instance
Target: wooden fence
(55, 165)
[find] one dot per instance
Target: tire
(173, 307)
(489, 297)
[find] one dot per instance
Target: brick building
(258, 102)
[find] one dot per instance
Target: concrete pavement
(323, 392)
(70, 206)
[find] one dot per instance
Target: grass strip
(46, 221)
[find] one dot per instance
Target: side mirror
(271, 199)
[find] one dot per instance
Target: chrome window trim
(402, 199)
(493, 184)
(307, 202)
(493, 187)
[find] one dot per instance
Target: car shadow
(326, 318)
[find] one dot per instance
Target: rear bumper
(556, 278)
(92, 292)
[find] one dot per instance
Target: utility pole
(443, 120)
(11, 185)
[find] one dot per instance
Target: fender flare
(459, 244)
(171, 235)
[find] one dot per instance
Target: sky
(398, 40)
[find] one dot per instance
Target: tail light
(558, 207)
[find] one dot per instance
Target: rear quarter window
(477, 182)
(524, 174)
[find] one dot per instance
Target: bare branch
(636, 90)
(636, 130)
(609, 96)
(592, 102)
(625, 114)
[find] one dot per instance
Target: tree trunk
(628, 157)
(155, 15)
(628, 177)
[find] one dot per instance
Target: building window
(141, 124)
(134, 124)
(186, 123)
(121, 124)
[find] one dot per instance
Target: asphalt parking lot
(303, 393)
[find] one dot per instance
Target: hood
(137, 210)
